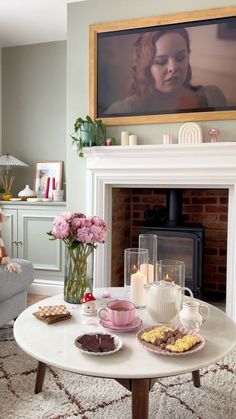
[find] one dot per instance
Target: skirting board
(46, 287)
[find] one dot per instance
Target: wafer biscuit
(52, 319)
(57, 310)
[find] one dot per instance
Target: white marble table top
(54, 344)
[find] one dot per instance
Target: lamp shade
(9, 160)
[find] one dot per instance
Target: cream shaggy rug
(67, 395)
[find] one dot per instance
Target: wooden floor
(34, 298)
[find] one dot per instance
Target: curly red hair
(142, 82)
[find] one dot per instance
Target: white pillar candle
(148, 270)
(137, 291)
(124, 138)
(167, 139)
(133, 140)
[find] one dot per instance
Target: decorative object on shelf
(190, 133)
(134, 278)
(193, 314)
(149, 242)
(213, 135)
(26, 193)
(133, 139)
(88, 303)
(108, 141)
(8, 161)
(168, 138)
(88, 133)
(57, 194)
(81, 236)
(47, 177)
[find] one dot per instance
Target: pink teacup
(118, 312)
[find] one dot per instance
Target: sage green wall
(0, 101)
(33, 105)
(80, 16)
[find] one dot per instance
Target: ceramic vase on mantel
(78, 275)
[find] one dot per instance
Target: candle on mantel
(137, 291)
(148, 270)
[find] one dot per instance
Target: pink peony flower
(76, 227)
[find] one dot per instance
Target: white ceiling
(25, 22)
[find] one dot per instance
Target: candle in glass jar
(148, 270)
(168, 278)
(137, 291)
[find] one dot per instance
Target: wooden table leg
(196, 378)
(40, 377)
(140, 398)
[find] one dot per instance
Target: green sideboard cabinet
(25, 236)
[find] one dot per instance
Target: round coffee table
(133, 366)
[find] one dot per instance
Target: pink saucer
(132, 326)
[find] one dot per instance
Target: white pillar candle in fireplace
(148, 270)
(124, 138)
(133, 140)
(137, 290)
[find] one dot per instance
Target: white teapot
(164, 300)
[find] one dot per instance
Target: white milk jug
(193, 314)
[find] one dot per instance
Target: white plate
(15, 199)
(117, 341)
(150, 347)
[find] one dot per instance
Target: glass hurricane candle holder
(171, 270)
(149, 242)
(134, 278)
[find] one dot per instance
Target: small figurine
(88, 303)
(106, 294)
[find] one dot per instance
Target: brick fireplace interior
(206, 206)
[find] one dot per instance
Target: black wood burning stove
(178, 240)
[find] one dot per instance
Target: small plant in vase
(88, 133)
(81, 236)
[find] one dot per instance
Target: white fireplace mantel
(205, 165)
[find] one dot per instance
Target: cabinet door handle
(14, 242)
(19, 242)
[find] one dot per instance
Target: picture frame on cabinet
(47, 176)
(128, 84)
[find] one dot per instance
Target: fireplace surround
(205, 165)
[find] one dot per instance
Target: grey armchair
(13, 290)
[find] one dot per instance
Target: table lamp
(7, 179)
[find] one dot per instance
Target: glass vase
(77, 267)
